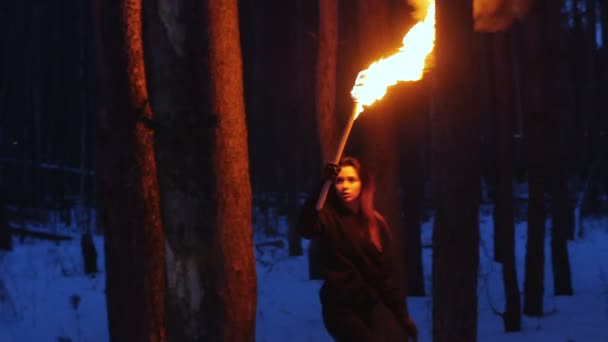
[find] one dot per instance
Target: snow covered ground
(44, 295)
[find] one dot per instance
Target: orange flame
(405, 65)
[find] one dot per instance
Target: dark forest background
(49, 95)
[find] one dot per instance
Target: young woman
(355, 254)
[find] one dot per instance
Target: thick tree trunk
(233, 266)
(412, 104)
(134, 243)
(535, 134)
(327, 54)
(455, 177)
(503, 200)
(180, 132)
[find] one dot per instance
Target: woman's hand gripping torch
(357, 108)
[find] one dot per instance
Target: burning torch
(407, 64)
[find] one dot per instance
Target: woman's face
(348, 185)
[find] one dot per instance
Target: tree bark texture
(134, 244)
(325, 89)
(172, 41)
(233, 264)
(327, 54)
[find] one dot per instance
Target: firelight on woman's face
(348, 185)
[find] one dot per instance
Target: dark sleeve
(309, 223)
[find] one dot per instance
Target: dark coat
(356, 274)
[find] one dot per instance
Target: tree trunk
(83, 103)
(295, 164)
(325, 88)
(413, 107)
(234, 278)
(6, 240)
(590, 88)
(603, 74)
(561, 209)
(455, 177)
(535, 135)
(180, 132)
(577, 70)
(89, 254)
(327, 54)
(134, 243)
(503, 200)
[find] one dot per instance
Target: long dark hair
(368, 189)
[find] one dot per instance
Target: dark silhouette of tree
(562, 212)
(294, 125)
(6, 242)
(325, 101)
(535, 108)
(327, 54)
(503, 198)
(89, 254)
(134, 240)
(455, 160)
(172, 42)
(410, 102)
(412, 105)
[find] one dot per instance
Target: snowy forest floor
(44, 295)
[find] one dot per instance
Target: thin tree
(89, 251)
(134, 241)
(295, 123)
(455, 177)
(561, 209)
(6, 240)
(535, 107)
(325, 104)
(232, 282)
(503, 199)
